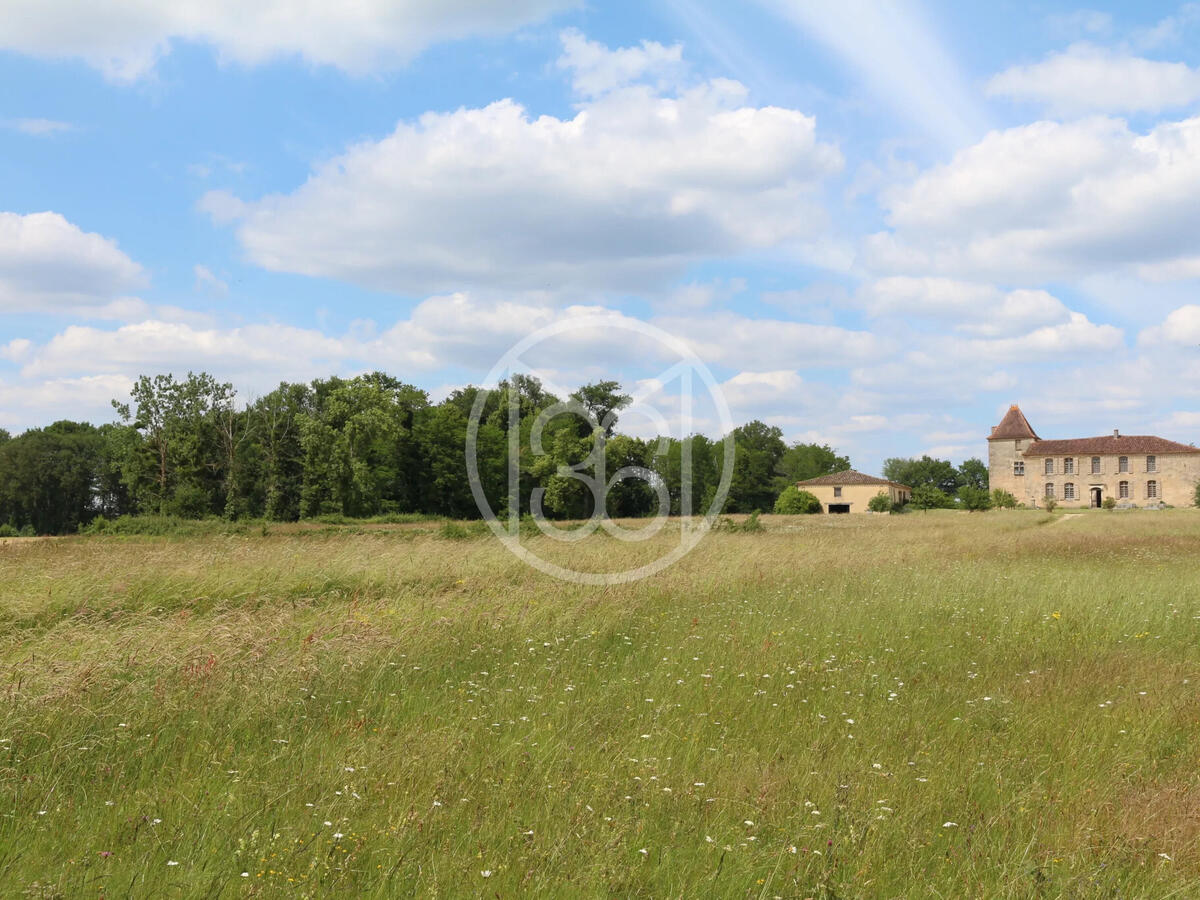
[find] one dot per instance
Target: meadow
(930, 705)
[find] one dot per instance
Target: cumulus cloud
(1088, 79)
(125, 38)
(596, 70)
(49, 264)
(632, 189)
(969, 307)
(1181, 328)
(1049, 200)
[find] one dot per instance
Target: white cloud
(158, 346)
(596, 70)
(27, 404)
(49, 264)
(1088, 79)
(732, 340)
(629, 191)
(125, 38)
(40, 127)
(1049, 200)
(1181, 328)
(969, 307)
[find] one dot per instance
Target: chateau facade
(1134, 469)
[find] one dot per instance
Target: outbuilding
(851, 491)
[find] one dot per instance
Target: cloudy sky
(879, 223)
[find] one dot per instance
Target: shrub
(1196, 495)
(1049, 504)
(880, 503)
(1109, 503)
(1002, 499)
(7, 530)
(750, 524)
(793, 502)
(926, 496)
(974, 499)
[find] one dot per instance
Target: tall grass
(928, 705)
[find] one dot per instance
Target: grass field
(930, 705)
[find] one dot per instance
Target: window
(837, 492)
(1049, 490)
(1151, 490)
(1123, 464)
(1095, 465)
(1068, 491)
(1151, 464)
(1049, 467)
(1019, 467)
(1123, 490)
(1069, 465)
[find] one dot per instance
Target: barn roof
(848, 477)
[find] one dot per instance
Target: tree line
(368, 446)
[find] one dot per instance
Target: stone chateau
(1133, 469)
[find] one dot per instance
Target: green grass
(797, 712)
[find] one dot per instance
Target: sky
(878, 224)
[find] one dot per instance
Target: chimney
(1116, 433)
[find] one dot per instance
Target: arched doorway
(1097, 497)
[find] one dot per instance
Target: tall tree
(803, 461)
(938, 473)
(759, 449)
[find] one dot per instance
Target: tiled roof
(1014, 425)
(1109, 445)
(850, 476)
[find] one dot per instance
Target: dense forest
(365, 446)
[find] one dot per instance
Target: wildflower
(1164, 856)
(644, 852)
(171, 862)
(949, 824)
(486, 873)
(338, 835)
(245, 874)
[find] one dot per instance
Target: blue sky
(879, 224)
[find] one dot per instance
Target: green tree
(51, 478)
(758, 450)
(974, 473)
(603, 400)
(938, 473)
(792, 502)
(801, 462)
(974, 499)
(927, 496)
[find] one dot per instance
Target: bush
(1196, 495)
(7, 530)
(1109, 503)
(926, 496)
(974, 499)
(880, 503)
(794, 502)
(750, 524)
(1049, 504)
(1002, 499)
